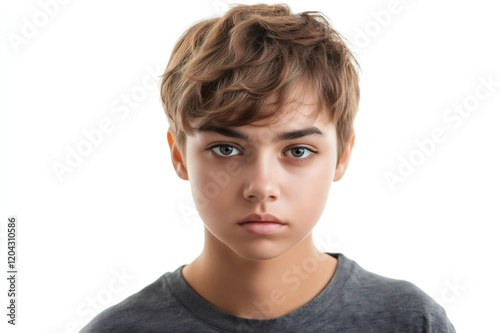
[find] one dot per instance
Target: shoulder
(392, 303)
(154, 301)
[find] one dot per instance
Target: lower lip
(262, 228)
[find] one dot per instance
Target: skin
(261, 276)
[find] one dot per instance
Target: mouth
(265, 224)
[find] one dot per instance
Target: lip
(261, 224)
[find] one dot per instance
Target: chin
(259, 252)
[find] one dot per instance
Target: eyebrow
(289, 135)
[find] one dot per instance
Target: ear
(176, 155)
(344, 159)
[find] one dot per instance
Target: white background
(122, 210)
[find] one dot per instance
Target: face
(279, 172)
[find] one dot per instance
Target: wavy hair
(242, 67)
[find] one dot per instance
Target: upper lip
(260, 218)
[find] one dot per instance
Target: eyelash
(311, 155)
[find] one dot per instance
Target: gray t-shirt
(354, 300)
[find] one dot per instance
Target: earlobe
(176, 155)
(344, 159)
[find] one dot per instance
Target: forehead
(297, 124)
(298, 104)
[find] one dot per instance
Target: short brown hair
(223, 71)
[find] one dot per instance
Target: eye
(299, 152)
(225, 150)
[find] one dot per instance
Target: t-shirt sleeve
(416, 311)
(434, 319)
(383, 304)
(139, 312)
(113, 319)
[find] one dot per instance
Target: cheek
(310, 190)
(316, 175)
(212, 188)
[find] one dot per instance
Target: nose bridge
(262, 180)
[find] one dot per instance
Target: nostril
(258, 193)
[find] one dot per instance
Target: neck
(259, 288)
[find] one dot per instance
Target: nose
(261, 184)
